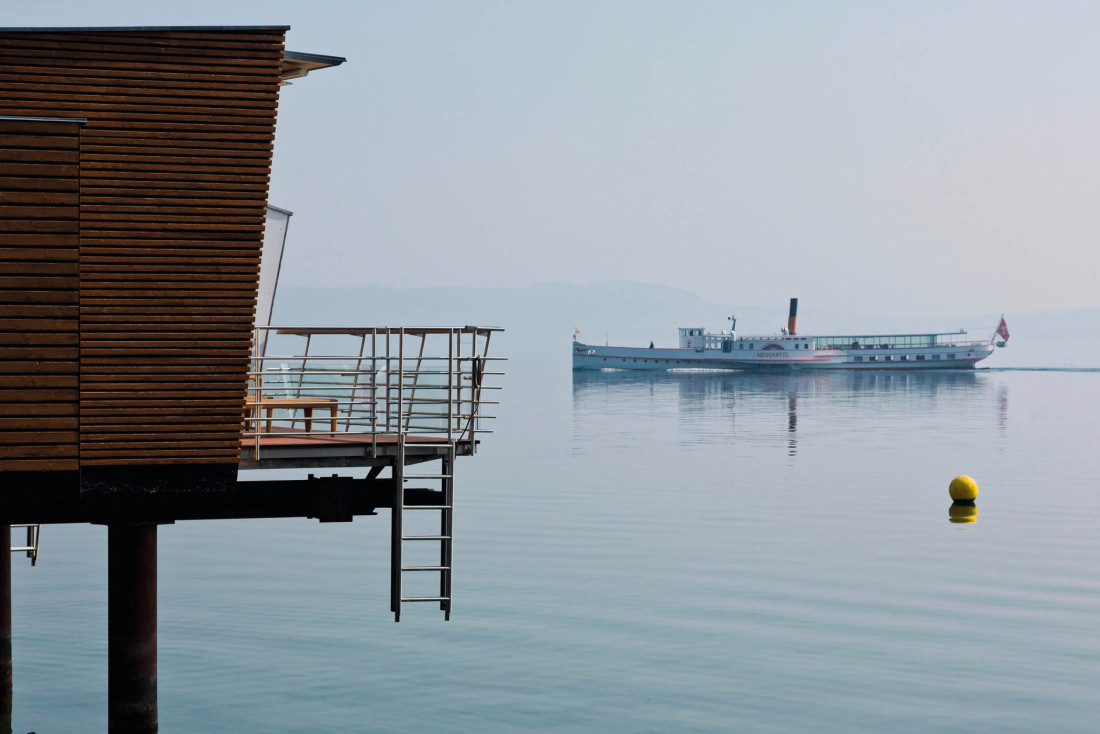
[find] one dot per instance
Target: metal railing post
(355, 382)
(400, 379)
(450, 382)
(301, 377)
(373, 393)
(389, 379)
(416, 378)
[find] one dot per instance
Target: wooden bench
(268, 405)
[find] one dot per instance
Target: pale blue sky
(895, 156)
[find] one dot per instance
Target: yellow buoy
(963, 489)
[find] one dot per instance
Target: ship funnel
(792, 318)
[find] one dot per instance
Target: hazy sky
(889, 155)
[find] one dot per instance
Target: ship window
(905, 358)
(950, 356)
(937, 356)
(873, 358)
(859, 357)
(920, 357)
(889, 358)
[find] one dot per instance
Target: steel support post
(396, 529)
(132, 629)
(5, 629)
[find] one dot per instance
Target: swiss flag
(1002, 329)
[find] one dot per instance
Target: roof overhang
(296, 64)
(144, 28)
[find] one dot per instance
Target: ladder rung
(15, 549)
(425, 568)
(425, 598)
(425, 537)
(427, 507)
(427, 476)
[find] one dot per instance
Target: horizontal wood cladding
(174, 163)
(39, 282)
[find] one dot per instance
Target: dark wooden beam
(169, 494)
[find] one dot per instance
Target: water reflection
(1002, 407)
(696, 384)
(724, 406)
(792, 423)
(962, 513)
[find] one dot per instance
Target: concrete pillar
(132, 629)
(5, 629)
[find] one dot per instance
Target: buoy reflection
(962, 512)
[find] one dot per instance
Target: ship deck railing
(335, 396)
(856, 342)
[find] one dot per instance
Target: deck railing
(413, 382)
(942, 341)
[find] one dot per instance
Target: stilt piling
(132, 629)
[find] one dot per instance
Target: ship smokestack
(792, 319)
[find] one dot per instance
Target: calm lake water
(647, 553)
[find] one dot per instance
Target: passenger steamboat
(728, 350)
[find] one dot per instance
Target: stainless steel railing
(433, 382)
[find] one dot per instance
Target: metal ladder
(31, 548)
(444, 538)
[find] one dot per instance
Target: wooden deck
(298, 449)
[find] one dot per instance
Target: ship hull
(589, 357)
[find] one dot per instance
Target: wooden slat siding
(39, 251)
(175, 160)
